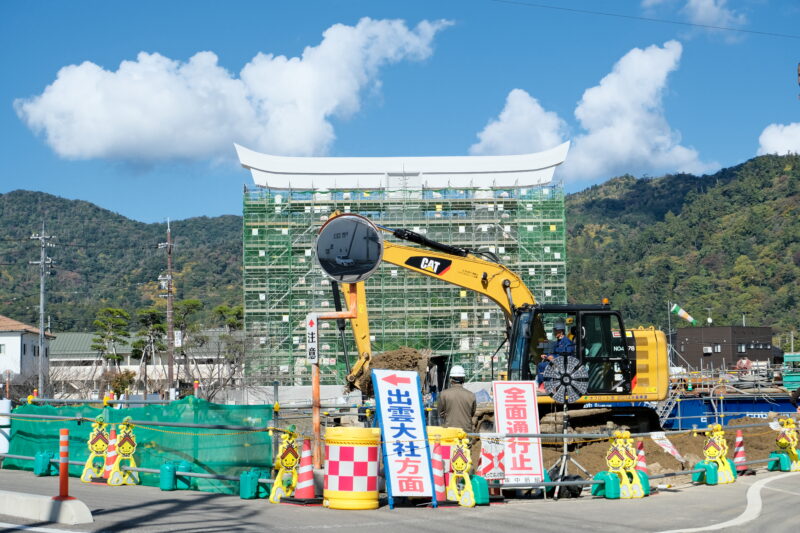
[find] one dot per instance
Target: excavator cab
(600, 344)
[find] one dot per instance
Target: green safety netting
(211, 451)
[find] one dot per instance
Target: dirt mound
(404, 358)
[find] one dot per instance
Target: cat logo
(434, 265)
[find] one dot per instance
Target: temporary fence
(219, 440)
(214, 444)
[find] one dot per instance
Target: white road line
(15, 527)
(751, 512)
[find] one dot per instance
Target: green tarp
(211, 451)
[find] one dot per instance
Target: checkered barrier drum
(351, 468)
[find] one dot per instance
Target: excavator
(614, 368)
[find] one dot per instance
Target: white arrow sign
(312, 339)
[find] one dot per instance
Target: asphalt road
(765, 502)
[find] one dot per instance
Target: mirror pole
(315, 414)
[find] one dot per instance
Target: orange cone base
(63, 498)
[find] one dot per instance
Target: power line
(645, 19)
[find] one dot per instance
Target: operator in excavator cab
(562, 346)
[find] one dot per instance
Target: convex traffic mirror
(349, 248)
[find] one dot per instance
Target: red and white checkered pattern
(351, 468)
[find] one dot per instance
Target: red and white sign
(407, 461)
(492, 456)
(660, 438)
(516, 411)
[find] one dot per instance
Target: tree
(219, 356)
(232, 318)
(120, 382)
(151, 340)
(183, 314)
(111, 330)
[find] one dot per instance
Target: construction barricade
(716, 468)
(351, 473)
(351, 468)
(786, 458)
(446, 437)
(622, 479)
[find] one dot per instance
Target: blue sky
(135, 106)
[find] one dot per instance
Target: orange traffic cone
(739, 457)
(111, 453)
(304, 491)
(641, 461)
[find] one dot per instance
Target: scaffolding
(524, 227)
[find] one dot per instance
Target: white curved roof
(280, 172)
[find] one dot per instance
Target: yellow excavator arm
(473, 273)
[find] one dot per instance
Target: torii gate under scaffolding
(319, 173)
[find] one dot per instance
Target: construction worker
(563, 346)
(456, 404)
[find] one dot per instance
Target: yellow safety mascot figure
(787, 442)
(636, 488)
(459, 489)
(621, 461)
(286, 464)
(98, 445)
(716, 451)
(126, 447)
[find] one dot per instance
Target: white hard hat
(457, 372)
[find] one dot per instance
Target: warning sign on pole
(492, 456)
(406, 455)
(312, 354)
(516, 411)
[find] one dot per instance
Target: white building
(19, 348)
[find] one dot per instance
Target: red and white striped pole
(196, 386)
(437, 465)
(641, 461)
(739, 456)
(304, 490)
(63, 466)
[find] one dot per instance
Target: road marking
(751, 512)
(16, 527)
(783, 491)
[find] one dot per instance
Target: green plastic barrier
(480, 488)
(209, 451)
(249, 486)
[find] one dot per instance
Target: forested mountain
(103, 259)
(728, 243)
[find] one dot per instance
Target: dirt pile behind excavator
(404, 358)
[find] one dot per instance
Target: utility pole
(170, 324)
(44, 262)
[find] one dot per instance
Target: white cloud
(647, 4)
(523, 126)
(623, 127)
(155, 108)
(712, 13)
(780, 139)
